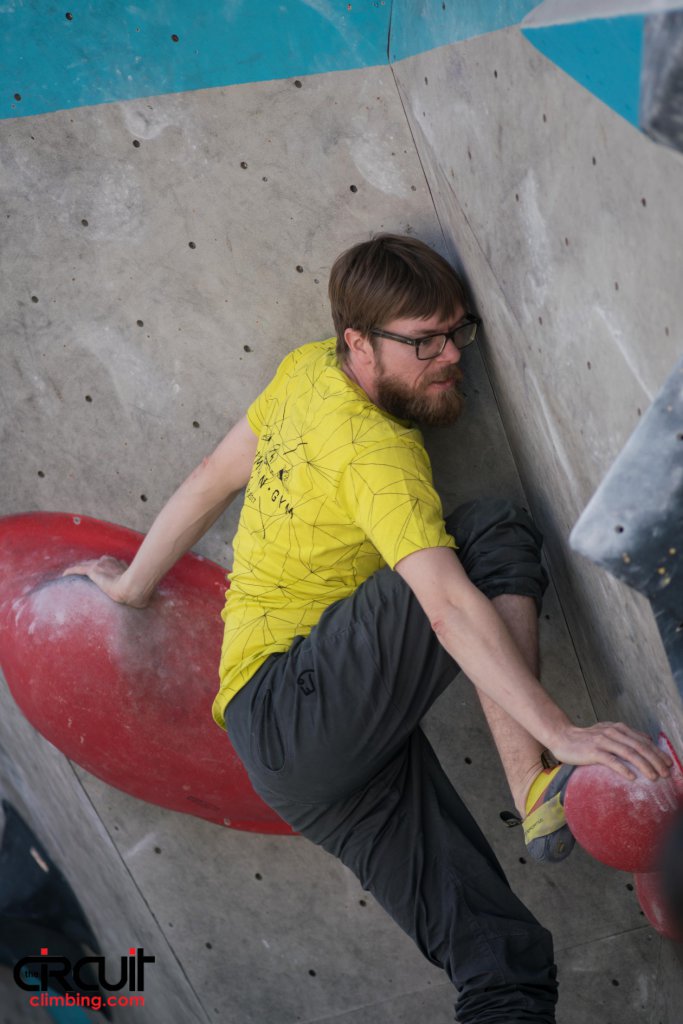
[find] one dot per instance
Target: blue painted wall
(54, 56)
(419, 25)
(604, 55)
(80, 52)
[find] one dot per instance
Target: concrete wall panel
(42, 786)
(151, 289)
(567, 220)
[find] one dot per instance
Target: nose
(451, 353)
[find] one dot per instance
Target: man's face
(425, 391)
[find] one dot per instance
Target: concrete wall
(159, 256)
(567, 221)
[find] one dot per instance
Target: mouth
(443, 383)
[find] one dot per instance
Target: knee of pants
(499, 547)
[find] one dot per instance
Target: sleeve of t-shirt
(388, 492)
(258, 411)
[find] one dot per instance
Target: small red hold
(650, 893)
(622, 823)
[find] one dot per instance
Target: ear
(360, 346)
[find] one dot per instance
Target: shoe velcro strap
(545, 820)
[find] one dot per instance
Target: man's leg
(412, 843)
(330, 735)
(519, 752)
(505, 564)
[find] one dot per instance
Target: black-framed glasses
(429, 346)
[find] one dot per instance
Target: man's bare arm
(468, 626)
(186, 517)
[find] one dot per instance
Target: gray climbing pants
(329, 733)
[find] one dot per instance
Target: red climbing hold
(650, 893)
(125, 693)
(619, 822)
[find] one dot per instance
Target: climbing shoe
(546, 832)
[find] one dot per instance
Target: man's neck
(364, 380)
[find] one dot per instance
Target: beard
(418, 403)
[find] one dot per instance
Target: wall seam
(181, 968)
(520, 474)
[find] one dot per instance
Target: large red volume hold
(125, 693)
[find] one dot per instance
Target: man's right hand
(108, 573)
(618, 746)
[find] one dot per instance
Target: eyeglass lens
(434, 346)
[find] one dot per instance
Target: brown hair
(388, 278)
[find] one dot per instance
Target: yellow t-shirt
(339, 488)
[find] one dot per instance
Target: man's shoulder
(323, 352)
